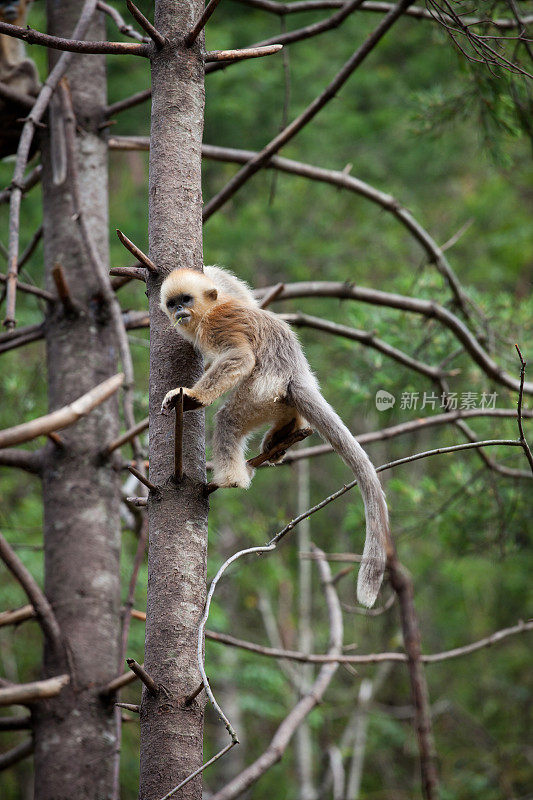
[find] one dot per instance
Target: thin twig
(15, 723)
(128, 102)
(122, 25)
(201, 22)
(27, 288)
(143, 479)
(141, 673)
(136, 709)
(63, 417)
(271, 295)
(16, 754)
(189, 699)
(158, 38)
(36, 596)
(199, 770)
(523, 440)
(28, 183)
(294, 127)
(137, 252)
(132, 273)
(305, 705)
(127, 436)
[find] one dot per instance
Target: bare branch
(122, 25)
(137, 252)
(241, 55)
(158, 39)
(426, 308)
(15, 723)
(18, 184)
(58, 275)
(16, 754)
(127, 436)
(272, 295)
(285, 731)
(128, 102)
(143, 479)
(74, 45)
(17, 615)
(523, 440)
(42, 294)
(30, 461)
(63, 417)
(36, 596)
(201, 23)
(141, 673)
(136, 709)
(416, 12)
(132, 273)
(369, 339)
(294, 127)
(27, 693)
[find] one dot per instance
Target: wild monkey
(256, 356)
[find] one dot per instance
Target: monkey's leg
(230, 468)
(287, 423)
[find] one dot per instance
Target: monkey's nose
(181, 314)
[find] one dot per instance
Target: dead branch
(136, 709)
(201, 22)
(131, 273)
(28, 183)
(37, 598)
(16, 754)
(30, 461)
(241, 55)
(27, 288)
(402, 584)
(141, 673)
(416, 12)
(523, 440)
(143, 479)
(74, 45)
(294, 127)
(28, 693)
(17, 615)
(69, 306)
(100, 269)
(18, 184)
(137, 252)
(122, 25)
(127, 436)
(128, 102)
(63, 417)
(270, 296)
(285, 731)
(15, 723)
(157, 38)
(426, 308)
(300, 320)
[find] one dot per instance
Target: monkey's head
(186, 297)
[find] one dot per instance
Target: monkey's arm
(226, 371)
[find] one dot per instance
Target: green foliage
(450, 142)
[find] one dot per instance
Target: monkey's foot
(274, 453)
(237, 477)
(190, 402)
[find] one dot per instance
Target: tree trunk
(75, 735)
(171, 733)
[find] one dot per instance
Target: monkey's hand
(190, 401)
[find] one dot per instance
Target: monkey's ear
(211, 294)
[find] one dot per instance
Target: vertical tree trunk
(75, 737)
(172, 734)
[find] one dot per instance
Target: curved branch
(74, 45)
(16, 754)
(426, 308)
(369, 339)
(63, 417)
(28, 460)
(285, 731)
(36, 596)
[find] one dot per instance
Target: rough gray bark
(75, 734)
(172, 734)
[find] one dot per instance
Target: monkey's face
(11, 10)
(186, 296)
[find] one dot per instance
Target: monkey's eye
(186, 299)
(172, 303)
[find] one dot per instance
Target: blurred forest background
(443, 137)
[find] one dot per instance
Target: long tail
(310, 404)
